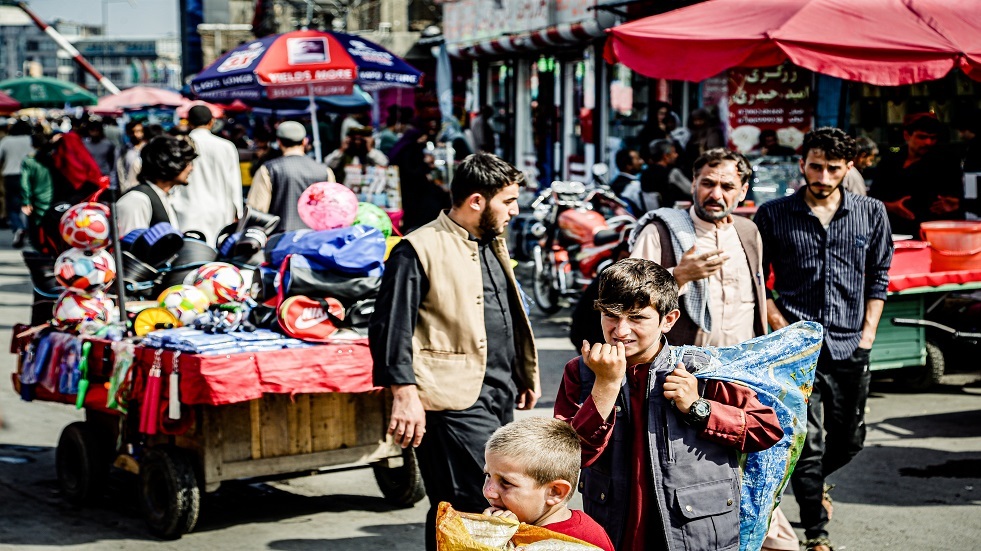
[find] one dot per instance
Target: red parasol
(8, 104)
(137, 97)
(883, 42)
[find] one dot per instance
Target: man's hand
(681, 388)
(527, 399)
(898, 207)
(503, 513)
(693, 266)
(27, 210)
(774, 317)
(945, 205)
(607, 362)
(408, 424)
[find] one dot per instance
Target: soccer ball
(220, 282)
(74, 307)
(86, 226)
(85, 271)
(185, 302)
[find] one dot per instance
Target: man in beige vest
(450, 336)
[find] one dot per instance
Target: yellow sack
(457, 531)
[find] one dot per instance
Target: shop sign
(777, 98)
(467, 20)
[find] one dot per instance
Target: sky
(126, 17)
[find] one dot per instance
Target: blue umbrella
(303, 64)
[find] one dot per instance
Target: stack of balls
(329, 205)
(86, 269)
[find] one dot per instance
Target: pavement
(917, 485)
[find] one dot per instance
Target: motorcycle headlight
(537, 230)
(540, 214)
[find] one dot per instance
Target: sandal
(826, 500)
(818, 544)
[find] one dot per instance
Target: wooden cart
(275, 436)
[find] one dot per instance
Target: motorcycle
(575, 239)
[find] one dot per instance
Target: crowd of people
(459, 354)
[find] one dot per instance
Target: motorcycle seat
(603, 237)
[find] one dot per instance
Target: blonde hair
(548, 448)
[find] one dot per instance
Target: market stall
(217, 379)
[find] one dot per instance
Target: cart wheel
(82, 461)
(169, 494)
(922, 378)
(401, 485)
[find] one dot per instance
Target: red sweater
(738, 420)
(582, 526)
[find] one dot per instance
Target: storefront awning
(557, 36)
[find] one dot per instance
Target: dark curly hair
(833, 142)
(165, 157)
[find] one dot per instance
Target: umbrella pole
(314, 126)
(117, 253)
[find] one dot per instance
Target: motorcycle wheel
(543, 286)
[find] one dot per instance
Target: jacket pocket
(442, 378)
(710, 515)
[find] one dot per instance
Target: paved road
(917, 486)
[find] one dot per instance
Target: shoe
(19, 236)
(818, 544)
(826, 501)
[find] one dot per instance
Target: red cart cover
(932, 279)
(230, 378)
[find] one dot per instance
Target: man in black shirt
(830, 252)
(451, 338)
(920, 183)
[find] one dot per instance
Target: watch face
(701, 408)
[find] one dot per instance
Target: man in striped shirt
(830, 252)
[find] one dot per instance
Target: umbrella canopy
(46, 92)
(8, 104)
(137, 97)
(297, 63)
(882, 42)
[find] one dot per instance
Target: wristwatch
(699, 412)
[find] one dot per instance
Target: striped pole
(67, 46)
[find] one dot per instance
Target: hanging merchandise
(150, 407)
(86, 271)
(327, 205)
(83, 375)
(173, 390)
(86, 226)
(73, 307)
(121, 380)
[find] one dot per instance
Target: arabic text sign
(775, 98)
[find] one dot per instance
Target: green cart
(907, 340)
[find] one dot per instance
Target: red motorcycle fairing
(580, 226)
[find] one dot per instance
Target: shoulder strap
(158, 212)
(747, 231)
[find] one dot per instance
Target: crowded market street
(917, 485)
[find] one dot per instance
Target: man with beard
(714, 256)
(166, 165)
(830, 252)
(450, 336)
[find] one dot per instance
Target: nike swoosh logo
(310, 319)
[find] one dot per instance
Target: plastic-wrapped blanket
(780, 368)
(457, 531)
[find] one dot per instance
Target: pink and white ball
(85, 271)
(327, 206)
(86, 226)
(220, 282)
(74, 307)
